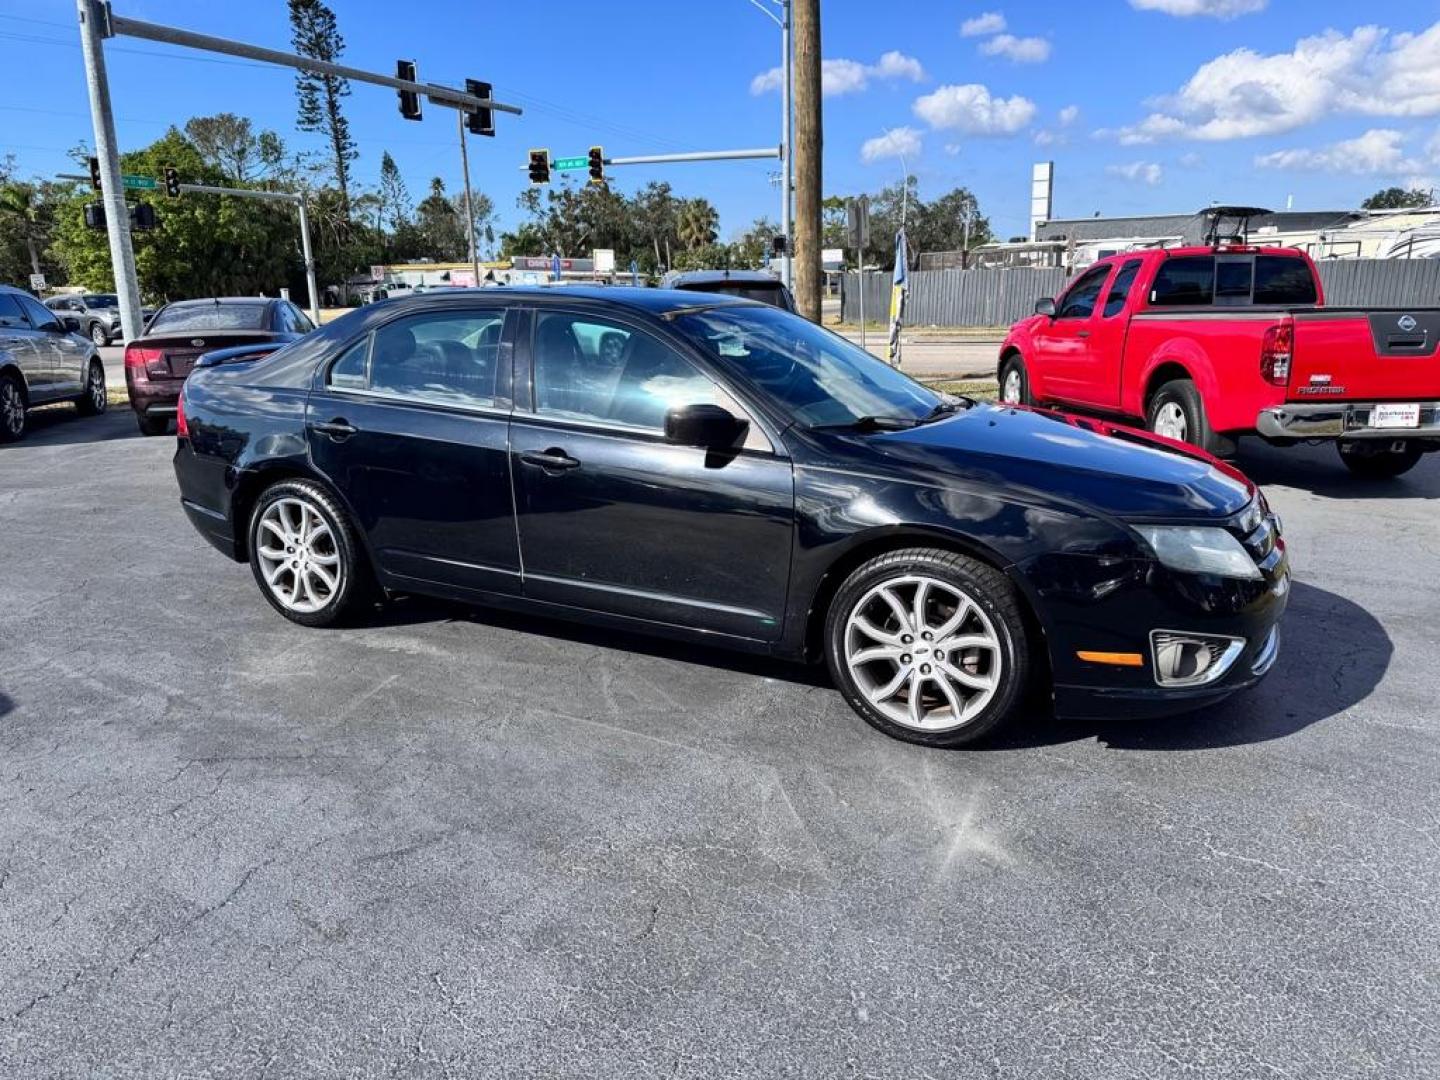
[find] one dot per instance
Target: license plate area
(1395, 415)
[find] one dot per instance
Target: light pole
(787, 173)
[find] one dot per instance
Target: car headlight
(1199, 550)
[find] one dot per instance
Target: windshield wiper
(871, 423)
(945, 408)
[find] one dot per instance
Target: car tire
(1378, 464)
(1176, 412)
(99, 335)
(1014, 382)
(152, 425)
(306, 557)
(912, 687)
(96, 396)
(12, 408)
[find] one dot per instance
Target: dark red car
(157, 362)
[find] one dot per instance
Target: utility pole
(787, 149)
(107, 150)
(809, 146)
(469, 209)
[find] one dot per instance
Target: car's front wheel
(95, 397)
(305, 555)
(928, 646)
(99, 335)
(1379, 462)
(12, 408)
(1014, 381)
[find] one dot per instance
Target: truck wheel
(1177, 412)
(1382, 462)
(1015, 381)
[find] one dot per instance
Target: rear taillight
(138, 358)
(182, 430)
(1275, 349)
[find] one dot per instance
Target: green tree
(318, 97)
(1397, 198)
(441, 229)
(697, 224)
(27, 226)
(230, 143)
(749, 249)
(394, 199)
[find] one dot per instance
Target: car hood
(1114, 469)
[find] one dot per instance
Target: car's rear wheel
(99, 334)
(928, 646)
(93, 400)
(12, 408)
(1014, 381)
(305, 556)
(152, 425)
(1382, 462)
(1176, 412)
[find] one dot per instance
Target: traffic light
(409, 100)
(172, 182)
(95, 215)
(539, 166)
(95, 173)
(480, 121)
(778, 245)
(597, 165)
(142, 217)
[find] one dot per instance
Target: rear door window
(1283, 279)
(11, 317)
(450, 358)
(1185, 280)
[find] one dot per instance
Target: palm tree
(17, 205)
(698, 224)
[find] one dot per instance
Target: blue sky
(1144, 105)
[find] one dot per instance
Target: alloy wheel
(12, 408)
(98, 335)
(1011, 393)
(97, 387)
(1170, 421)
(298, 556)
(923, 653)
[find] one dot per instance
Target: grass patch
(985, 389)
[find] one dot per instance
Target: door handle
(552, 460)
(338, 429)
(1082, 333)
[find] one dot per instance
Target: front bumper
(1340, 420)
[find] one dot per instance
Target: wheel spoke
(957, 707)
(328, 559)
(917, 712)
(324, 577)
(964, 678)
(272, 575)
(955, 621)
(971, 641)
(270, 552)
(922, 593)
(870, 630)
(883, 693)
(276, 528)
(898, 608)
(878, 652)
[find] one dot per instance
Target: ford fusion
(725, 472)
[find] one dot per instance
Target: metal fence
(954, 297)
(1380, 282)
(999, 297)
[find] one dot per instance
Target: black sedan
(735, 475)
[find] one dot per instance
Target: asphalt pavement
(457, 843)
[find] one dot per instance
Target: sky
(1143, 105)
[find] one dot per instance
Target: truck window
(1283, 279)
(1079, 302)
(1188, 279)
(1233, 278)
(1120, 288)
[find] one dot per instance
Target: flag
(898, 287)
(555, 274)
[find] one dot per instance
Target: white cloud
(1069, 114)
(840, 76)
(1220, 9)
(1191, 160)
(1044, 137)
(1379, 150)
(989, 22)
(1369, 71)
(1145, 172)
(971, 108)
(897, 142)
(1027, 50)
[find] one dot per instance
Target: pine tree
(394, 198)
(313, 33)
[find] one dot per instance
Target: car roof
(719, 277)
(1206, 249)
(222, 300)
(637, 298)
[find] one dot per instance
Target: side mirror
(708, 426)
(1045, 307)
(71, 323)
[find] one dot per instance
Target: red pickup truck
(1206, 344)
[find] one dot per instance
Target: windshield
(100, 300)
(208, 316)
(815, 376)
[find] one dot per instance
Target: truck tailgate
(1365, 355)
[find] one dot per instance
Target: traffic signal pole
(117, 217)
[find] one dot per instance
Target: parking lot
(460, 843)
